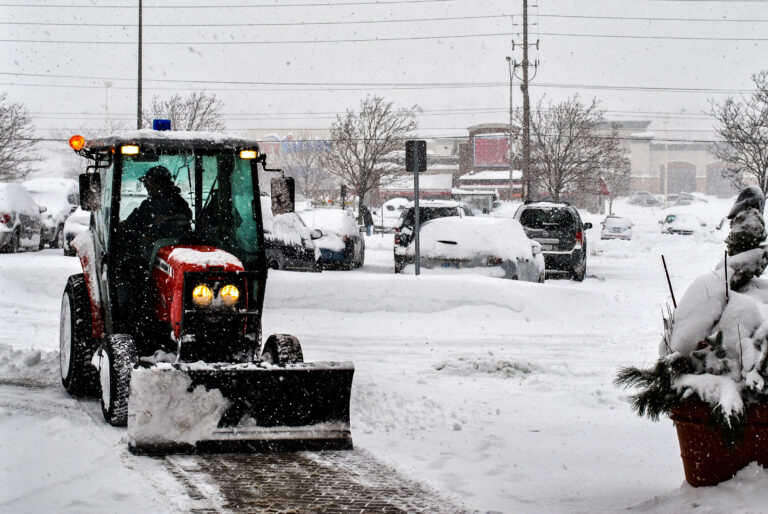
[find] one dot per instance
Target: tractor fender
(83, 245)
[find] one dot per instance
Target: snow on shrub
(715, 343)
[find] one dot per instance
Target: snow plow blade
(225, 408)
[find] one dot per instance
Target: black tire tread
(286, 347)
(82, 379)
(122, 357)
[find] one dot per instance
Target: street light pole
(138, 88)
(511, 123)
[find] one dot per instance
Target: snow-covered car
(21, 223)
(386, 217)
(678, 223)
(77, 223)
(428, 210)
(643, 198)
(616, 227)
(288, 243)
(341, 245)
(60, 196)
(494, 247)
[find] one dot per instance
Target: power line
(654, 18)
(238, 6)
(328, 86)
(673, 38)
(286, 42)
(165, 26)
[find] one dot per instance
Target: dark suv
(559, 230)
(428, 210)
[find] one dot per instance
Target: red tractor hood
(168, 276)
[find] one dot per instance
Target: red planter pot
(706, 459)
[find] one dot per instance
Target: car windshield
(545, 218)
(428, 213)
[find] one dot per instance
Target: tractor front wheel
(76, 346)
(282, 349)
(117, 357)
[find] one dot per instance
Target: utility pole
(138, 89)
(511, 128)
(524, 82)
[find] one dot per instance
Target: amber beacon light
(77, 142)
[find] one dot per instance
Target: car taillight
(5, 218)
(579, 239)
(397, 236)
(345, 239)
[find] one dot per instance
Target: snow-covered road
(498, 394)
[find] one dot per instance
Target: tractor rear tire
(118, 357)
(76, 346)
(282, 349)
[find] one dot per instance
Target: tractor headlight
(202, 296)
(229, 295)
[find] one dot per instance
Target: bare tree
(570, 152)
(300, 159)
(362, 143)
(742, 124)
(198, 111)
(17, 141)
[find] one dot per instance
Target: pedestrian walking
(367, 219)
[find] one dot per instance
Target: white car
(684, 224)
(387, 216)
(494, 247)
(616, 227)
(77, 223)
(21, 225)
(341, 245)
(60, 196)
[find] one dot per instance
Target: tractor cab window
(217, 188)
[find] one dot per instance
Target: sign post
(416, 162)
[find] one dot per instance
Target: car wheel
(76, 346)
(41, 245)
(580, 273)
(58, 240)
(117, 357)
(361, 262)
(15, 245)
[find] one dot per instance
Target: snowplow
(164, 323)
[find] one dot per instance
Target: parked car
(494, 247)
(288, 243)
(341, 243)
(60, 196)
(386, 217)
(643, 198)
(679, 223)
(616, 227)
(428, 210)
(21, 225)
(77, 223)
(559, 229)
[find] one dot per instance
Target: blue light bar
(161, 124)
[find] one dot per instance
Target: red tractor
(164, 323)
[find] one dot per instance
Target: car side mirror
(43, 208)
(283, 195)
(90, 191)
(315, 234)
(587, 226)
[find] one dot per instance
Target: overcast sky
(294, 65)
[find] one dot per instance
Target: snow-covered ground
(496, 393)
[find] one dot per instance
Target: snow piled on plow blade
(208, 408)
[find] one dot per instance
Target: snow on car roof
(335, 220)
(436, 203)
(15, 198)
(469, 237)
